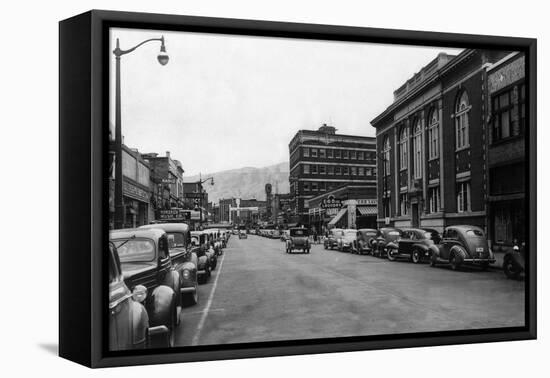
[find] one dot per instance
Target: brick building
(506, 158)
(321, 161)
(432, 144)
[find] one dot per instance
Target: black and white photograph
(269, 189)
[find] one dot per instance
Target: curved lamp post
(200, 182)
(162, 58)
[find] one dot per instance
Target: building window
(386, 155)
(434, 199)
(330, 170)
(313, 169)
(403, 143)
(330, 153)
(368, 171)
(462, 125)
(353, 155)
(360, 155)
(433, 134)
(345, 170)
(417, 150)
(322, 186)
(463, 197)
(314, 187)
(306, 169)
(353, 171)
(361, 171)
(322, 153)
(314, 152)
(306, 152)
(306, 187)
(403, 204)
(345, 154)
(502, 116)
(337, 154)
(337, 170)
(322, 170)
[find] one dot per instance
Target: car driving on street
(331, 241)
(298, 240)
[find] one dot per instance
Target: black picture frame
(83, 109)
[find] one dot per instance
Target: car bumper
(201, 272)
(188, 290)
(480, 261)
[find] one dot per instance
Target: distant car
(332, 240)
(128, 318)
(416, 244)
(215, 240)
(252, 231)
(235, 232)
(206, 259)
(298, 240)
(145, 261)
(462, 245)
(285, 235)
(384, 236)
(242, 234)
(347, 240)
(183, 258)
(364, 242)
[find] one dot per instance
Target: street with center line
(260, 293)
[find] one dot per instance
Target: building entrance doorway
(415, 218)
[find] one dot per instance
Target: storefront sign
(170, 180)
(331, 203)
(135, 192)
(174, 214)
(363, 202)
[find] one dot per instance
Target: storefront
(136, 204)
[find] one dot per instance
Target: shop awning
(338, 216)
(367, 210)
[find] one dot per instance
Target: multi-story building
(506, 157)
(321, 161)
(432, 146)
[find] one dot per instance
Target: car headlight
(186, 274)
(139, 293)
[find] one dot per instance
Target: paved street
(259, 293)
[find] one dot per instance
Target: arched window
(461, 121)
(386, 154)
(417, 149)
(433, 134)
(403, 148)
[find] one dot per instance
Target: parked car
(183, 258)
(206, 259)
(145, 261)
(462, 245)
(416, 244)
(347, 240)
(215, 240)
(298, 239)
(128, 319)
(364, 241)
(384, 236)
(513, 263)
(331, 241)
(242, 234)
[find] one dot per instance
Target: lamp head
(163, 56)
(212, 181)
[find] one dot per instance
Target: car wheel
(433, 260)
(455, 264)
(326, 246)
(391, 257)
(510, 269)
(416, 257)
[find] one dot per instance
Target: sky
(225, 102)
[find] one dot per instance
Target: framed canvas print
(234, 188)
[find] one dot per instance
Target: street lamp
(200, 182)
(118, 52)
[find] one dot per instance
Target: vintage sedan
(332, 240)
(206, 258)
(346, 241)
(384, 236)
(462, 245)
(298, 240)
(184, 260)
(145, 262)
(415, 244)
(242, 234)
(364, 241)
(215, 240)
(128, 318)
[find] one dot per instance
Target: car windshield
(477, 233)
(135, 250)
(351, 233)
(176, 240)
(298, 232)
(393, 233)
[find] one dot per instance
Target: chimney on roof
(167, 154)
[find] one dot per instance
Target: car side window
(163, 247)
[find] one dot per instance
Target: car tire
(457, 257)
(510, 269)
(416, 256)
(389, 255)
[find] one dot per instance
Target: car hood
(132, 269)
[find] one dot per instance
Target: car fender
(392, 245)
(420, 246)
(140, 324)
(515, 257)
(458, 251)
(173, 280)
(433, 250)
(161, 306)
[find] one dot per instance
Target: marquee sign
(331, 203)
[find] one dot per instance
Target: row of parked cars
(154, 271)
(457, 246)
